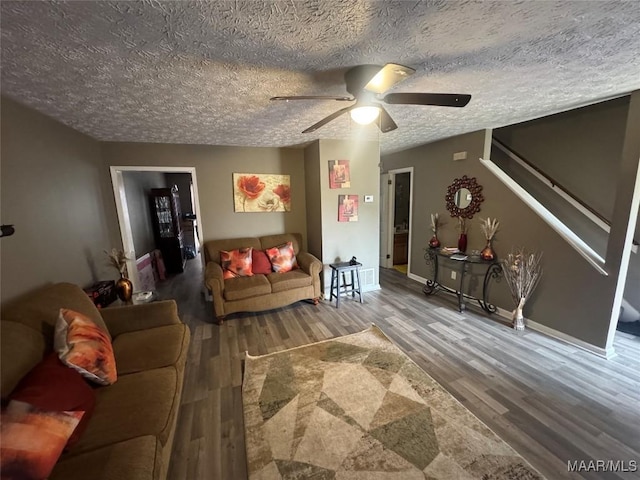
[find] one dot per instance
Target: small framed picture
(347, 208)
(339, 174)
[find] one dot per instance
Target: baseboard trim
(417, 278)
(606, 353)
(365, 289)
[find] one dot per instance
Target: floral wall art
(261, 192)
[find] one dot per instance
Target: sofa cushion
(137, 404)
(54, 387)
(270, 241)
(246, 287)
(136, 459)
(33, 439)
(289, 280)
(85, 347)
(283, 258)
(22, 348)
(148, 349)
(212, 248)
(236, 263)
(260, 263)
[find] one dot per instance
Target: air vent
(368, 277)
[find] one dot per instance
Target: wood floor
(552, 402)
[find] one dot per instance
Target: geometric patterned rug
(356, 407)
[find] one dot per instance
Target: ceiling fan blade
(439, 99)
(314, 97)
(326, 120)
(386, 123)
(387, 77)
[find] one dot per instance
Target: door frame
(391, 199)
(122, 209)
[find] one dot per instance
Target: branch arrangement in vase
(435, 224)
(489, 228)
(522, 271)
(118, 259)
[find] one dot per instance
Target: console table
(464, 267)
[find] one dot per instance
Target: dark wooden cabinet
(400, 248)
(167, 227)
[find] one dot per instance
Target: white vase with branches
(522, 271)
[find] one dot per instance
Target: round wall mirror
(464, 197)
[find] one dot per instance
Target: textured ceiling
(203, 72)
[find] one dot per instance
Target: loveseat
(260, 291)
(130, 432)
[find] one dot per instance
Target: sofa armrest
(130, 318)
(309, 263)
(214, 281)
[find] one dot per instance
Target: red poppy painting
(261, 192)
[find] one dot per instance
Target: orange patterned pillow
(85, 347)
(236, 263)
(33, 439)
(282, 257)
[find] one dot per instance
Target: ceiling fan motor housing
(357, 77)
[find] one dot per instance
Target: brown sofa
(132, 427)
(260, 292)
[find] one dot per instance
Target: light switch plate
(460, 156)
(368, 198)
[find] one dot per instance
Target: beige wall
(342, 240)
(314, 198)
(214, 168)
(52, 190)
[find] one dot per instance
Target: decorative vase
(462, 242)
(434, 242)
(124, 289)
(518, 318)
(487, 252)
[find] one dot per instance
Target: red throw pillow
(282, 258)
(54, 387)
(85, 347)
(32, 440)
(236, 263)
(261, 263)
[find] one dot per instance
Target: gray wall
(214, 168)
(580, 149)
(571, 298)
(137, 186)
(53, 191)
(183, 182)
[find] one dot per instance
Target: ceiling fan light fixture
(365, 115)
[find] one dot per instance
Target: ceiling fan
(366, 84)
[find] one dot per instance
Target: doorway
(397, 203)
(125, 215)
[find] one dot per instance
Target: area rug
(356, 407)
